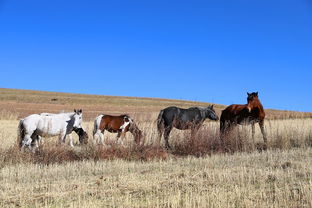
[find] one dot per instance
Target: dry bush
(57, 154)
(202, 144)
(208, 142)
(13, 155)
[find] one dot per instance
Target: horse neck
(70, 114)
(204, 112)
(207, 112)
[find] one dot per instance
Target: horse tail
(97, 123)
(160, 125)
(20, 133)
(223, 126)
(222, 123)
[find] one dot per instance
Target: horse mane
(201, 108)
(125, 115)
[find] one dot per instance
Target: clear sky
(201, 50)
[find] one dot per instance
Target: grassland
(149, 176)
(268, 179)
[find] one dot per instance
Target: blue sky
(213, 51)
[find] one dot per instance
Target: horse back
(237, 112)
(192, 114)
(233, 110)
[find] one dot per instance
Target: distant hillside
(25, 102)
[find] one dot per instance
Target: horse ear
(257, 93)
(211, 106)
(75, 111)
(248, 93)
(80, 111)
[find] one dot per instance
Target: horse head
(77, 118)
(211, 113)
(137, 133)
(250, 98)
(83, 136)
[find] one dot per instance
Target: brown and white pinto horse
(115, 124)
(250, 113)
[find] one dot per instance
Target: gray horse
(191, 118)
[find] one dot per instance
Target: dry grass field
(148, 176)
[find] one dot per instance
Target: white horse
(32, 127)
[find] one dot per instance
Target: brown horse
(250, 113)
(115, 124)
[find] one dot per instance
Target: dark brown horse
(115, 124)
(250, 113)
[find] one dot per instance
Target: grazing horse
(191, 118)
(250, 113)
(115, 124)
(31, 128)
(83, 136)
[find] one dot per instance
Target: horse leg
(166, 136)
(222, 123)
(160, 129)
(223, 128)
(228, 130)
(71, 142)
(120, 136)
(35, 140)
(253, 130)
(261, 124)
(160, 126)
(101, 134)
(97, 137)
(62, 138)
(40, 140)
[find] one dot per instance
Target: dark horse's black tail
(160, 125)
(223, 127)
(222, 123)
(20, 133)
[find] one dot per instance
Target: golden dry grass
(279, 177)
(267, 179)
